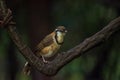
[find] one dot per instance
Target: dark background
(37, 18)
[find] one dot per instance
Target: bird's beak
(66, 31)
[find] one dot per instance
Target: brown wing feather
(48, 40)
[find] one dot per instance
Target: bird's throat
(59, 38)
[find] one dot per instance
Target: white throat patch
(60, 37)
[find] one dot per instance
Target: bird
(48, 47)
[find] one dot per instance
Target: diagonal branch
(65, 57)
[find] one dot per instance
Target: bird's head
(61, 30)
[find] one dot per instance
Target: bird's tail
(26, 68)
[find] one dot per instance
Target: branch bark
(65, 57)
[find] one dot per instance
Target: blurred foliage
(82, 18)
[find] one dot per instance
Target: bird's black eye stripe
(59, 30)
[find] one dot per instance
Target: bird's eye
(56, 29)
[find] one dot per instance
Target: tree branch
(65, 57)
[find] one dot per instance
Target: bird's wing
(48, 40)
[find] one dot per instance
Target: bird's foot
(46, 61)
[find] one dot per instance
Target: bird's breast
(50, 50)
